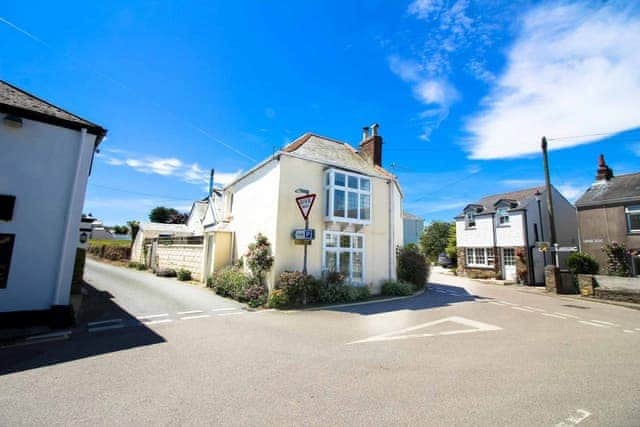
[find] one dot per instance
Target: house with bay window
(357, 214)
(496, 236)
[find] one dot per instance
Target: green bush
(132, 264)
(582, 263)
(230, 282)
(141, 266)
(396, 289)
(298, 287)
(412, 267)
(114, 250)
(278, 299)
(255, 294)
(183, 275)
(166, 272)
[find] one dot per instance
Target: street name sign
(305, 203)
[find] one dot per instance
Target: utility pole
(211, 182)
(547, 180)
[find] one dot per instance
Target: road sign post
(305, 203)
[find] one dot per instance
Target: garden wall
(176, 257)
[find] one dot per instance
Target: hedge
(114, 250)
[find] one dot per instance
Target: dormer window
(503, 216)
(470, 220)
(348, 197)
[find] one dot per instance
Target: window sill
(484, 267)
(346, 220)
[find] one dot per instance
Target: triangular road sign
(305, 203)
(408, 333)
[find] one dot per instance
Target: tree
(167, 215)
(452, 249)
(434, 239)
(120, 229)
(134, 226)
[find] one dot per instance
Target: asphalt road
(463, 353)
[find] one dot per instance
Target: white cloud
(521, 183)
(571, 191)
(407, 70)
(435, 92)
(573, 70)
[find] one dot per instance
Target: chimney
(604, 172)
(371, 145)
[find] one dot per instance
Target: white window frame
(329, 185)
(628, 211)
(351, 250)
(469, 218)
(487, 253)
(503, 216)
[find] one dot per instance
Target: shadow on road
(97, 305)
(436, 295)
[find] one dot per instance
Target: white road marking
(151, 316)
(105, 328)
(637, 329)
(628, 331)
(507, 302)
(573, 420)
(496, 303)
(592, 324)
(195, 317)
(534, 309)
(438, 290)
(154, 322)
(567, 315)
(553, 315)
(604, 323)
(190, 312)
(474, 326)
(231, 314)
(50, 335)
(224, 309)
(104, 322)
(522, 309)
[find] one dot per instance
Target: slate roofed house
(609, 211)
(496, 236)
(45, 160)
(357, 216)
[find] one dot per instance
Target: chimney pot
(365, 133)
(604, 172)
(371, 145)
(374, 129)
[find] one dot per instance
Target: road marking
(592, 324)
(154, 322)
(195, 317)
(628, 331)
(637, 329)
(496, 303)
(472, 325)
(507, 302)
(224, 309)
(553, 315)
(575, 419)
(438, 290)
(50, 335)
(190, 312)
(567, 315)
(151, 316)
(105, 328)
(231, 314)
(263, 311)
(104, 322)
(604, 323)
(522, 309)
(534, 309)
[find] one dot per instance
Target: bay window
(344, 253)
(348, 197)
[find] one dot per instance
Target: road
(463, 353)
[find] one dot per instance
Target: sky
(463, 91)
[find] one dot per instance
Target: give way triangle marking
(404, 334)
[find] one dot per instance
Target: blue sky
(463, 91)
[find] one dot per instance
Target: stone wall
(176, 257)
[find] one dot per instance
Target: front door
(509, 264)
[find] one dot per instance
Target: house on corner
(609, 211)
(45, 161)
(496, 236)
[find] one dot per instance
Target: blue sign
(302, 234)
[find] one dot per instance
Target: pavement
(462, 353)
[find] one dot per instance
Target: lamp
(301, 191)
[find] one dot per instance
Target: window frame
(350, 250)
(631, 211)
(503, 214)
(487, 254)
(330, 189)
(470, 219)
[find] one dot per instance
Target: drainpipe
(530, 271)
(391, 248)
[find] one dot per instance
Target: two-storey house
(357, 215)
(496, 236)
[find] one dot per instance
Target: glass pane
(365, 207)
(357, 242)
(338, 203)
(353, 182)
(345, 241)
(634, 222)
(480, 256)
(330, 259)
(327, 202)
(339, 179)
(356, 266)
(352, 211)
(365, 184)
(344, 264)
(470, 257)
(330, 240)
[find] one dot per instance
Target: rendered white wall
(479, 236)
(511, 234)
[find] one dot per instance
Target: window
(479, 257)
(344, 252)
(470, 220)
(633, 218)
(509, 256)
(503, 216)
(7, 204)
(348, 197)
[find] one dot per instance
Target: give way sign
(305, 203)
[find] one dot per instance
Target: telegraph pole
(547, 181)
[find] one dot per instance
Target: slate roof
(164, 228)
(521, 197)
(619, 189)
(407, 215)
(333, 152)
(17, 102)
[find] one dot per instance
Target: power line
(140, 193)
(587, 135)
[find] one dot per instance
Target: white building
(45, 161)
(413, 227)
(496, 236)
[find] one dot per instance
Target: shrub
(582, 263)
(412, 267)
(255, 294)
(298, 287)
(166, 272)
(278, 299)
(183, 275)
(141, 266)
(132, 264)
(230, 282)
(397, 289)
(259, 258)
(617, 260)
(114, 250)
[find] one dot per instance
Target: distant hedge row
(114, 250)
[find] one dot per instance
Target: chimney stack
(604, 172)
(371, 145)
